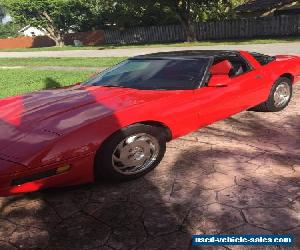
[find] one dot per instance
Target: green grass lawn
(182, 44)
(19, 81)
(74, 62)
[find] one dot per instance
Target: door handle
(258, 76)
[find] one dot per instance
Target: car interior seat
(221, 68)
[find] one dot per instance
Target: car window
(239, 65)
(169, 74)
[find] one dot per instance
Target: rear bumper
(81, 171)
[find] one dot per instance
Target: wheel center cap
(137, 154)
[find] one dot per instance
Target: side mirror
(218, 81)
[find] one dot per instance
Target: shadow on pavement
(97, 216)
(239, 176)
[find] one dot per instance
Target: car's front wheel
(279, 98)
(130, 153)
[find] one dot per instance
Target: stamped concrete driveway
(240, 175)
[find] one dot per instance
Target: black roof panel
(188, 54)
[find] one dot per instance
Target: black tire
(269, 105)
(104, 167)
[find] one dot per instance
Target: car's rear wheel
(130, 153)
(279, 98)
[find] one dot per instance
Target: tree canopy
(9, 30)
(58, 17)
(128, 13)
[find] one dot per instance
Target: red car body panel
(48, 129)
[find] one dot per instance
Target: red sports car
(116, 124)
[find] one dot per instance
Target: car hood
(26, 111)
(46, 115)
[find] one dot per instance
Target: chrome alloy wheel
(135, 154)
(282, 94)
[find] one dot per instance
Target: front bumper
(81, 171)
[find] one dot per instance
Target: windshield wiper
(108, 85)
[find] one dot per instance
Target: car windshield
(153, 74)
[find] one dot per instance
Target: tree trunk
(189, 30)
(58, 38)
(185, 16)
(59, 41)
(56, 34)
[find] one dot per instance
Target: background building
(258, 8)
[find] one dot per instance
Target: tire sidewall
(103, 161)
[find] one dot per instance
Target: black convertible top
(190, 54)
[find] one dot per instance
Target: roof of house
(28, 27)
(259, 5)
(24, 28)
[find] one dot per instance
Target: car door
(253, 84)
(251, 89)
(239, 93)
(215, 103)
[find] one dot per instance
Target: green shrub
(9, 30)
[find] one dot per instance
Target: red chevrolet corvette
(116, 124)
